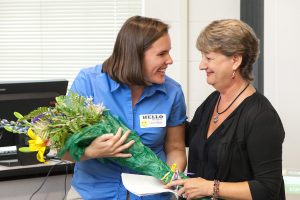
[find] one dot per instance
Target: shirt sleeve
(81, 85)
(178, 112)
(264, 144)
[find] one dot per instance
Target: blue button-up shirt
(96, 180)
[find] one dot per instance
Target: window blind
(54, 39)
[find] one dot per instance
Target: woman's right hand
(109, 145)
(193, 188)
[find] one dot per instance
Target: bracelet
(215, 190)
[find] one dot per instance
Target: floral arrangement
(73, 123)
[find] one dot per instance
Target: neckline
(219, 99)
(227, 118)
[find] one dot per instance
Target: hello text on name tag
(153, 120)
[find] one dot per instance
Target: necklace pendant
(216, 118)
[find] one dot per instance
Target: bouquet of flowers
(73, 123)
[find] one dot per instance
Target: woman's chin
(158, 81)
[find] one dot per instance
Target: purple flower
(37, 118)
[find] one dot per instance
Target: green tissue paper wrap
(143, 159)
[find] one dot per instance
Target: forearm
(177, 156)
(175, 147)
(68, 157)
(235, 191)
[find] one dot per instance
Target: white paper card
(142, 185)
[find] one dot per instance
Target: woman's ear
(237, 61)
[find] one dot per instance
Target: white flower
(98, 107)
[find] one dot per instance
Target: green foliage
(37, 112)
(70, 115)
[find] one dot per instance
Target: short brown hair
(230, 37)
(137, 34)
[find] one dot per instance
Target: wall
(282, 70)
(282, 81)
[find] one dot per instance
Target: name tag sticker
(153, 120)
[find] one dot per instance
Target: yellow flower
(36, 144)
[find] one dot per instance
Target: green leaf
(18, 115)
(8, 128)
(25, 149)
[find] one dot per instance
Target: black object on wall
(252, 12)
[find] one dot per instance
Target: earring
(233, 74)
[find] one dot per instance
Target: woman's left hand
(193, 187)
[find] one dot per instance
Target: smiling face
(156, 60)
(219, 68)
(231, 37)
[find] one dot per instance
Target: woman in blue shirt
(133, 85)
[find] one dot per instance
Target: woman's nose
(202, 65)
(169, 60)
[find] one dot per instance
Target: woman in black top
(235, 136)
